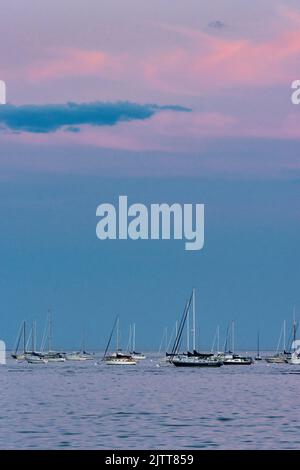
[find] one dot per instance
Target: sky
(164, 101)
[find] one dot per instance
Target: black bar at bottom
(146, 458)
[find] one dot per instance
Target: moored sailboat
(16, 354)
(230, 358)
(117, 358)
(194, 358)
(138, 356)
(258, 356)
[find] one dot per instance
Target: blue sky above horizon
(169, 103)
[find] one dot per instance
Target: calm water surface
(89, 406)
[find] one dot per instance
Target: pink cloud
(209, 62)
(68, 62)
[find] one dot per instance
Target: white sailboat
(75, 356)
(50, 354)
(230, 358)
(81, 355)
(138, 356)
(33, 359)
(295, 358)
(117, 358)
(279, 357)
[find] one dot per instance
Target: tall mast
(283, 335)
(194, 320)
(294, 326)
(218, 338)
(176, 329)
(24, 337)
(118, 321)
(129, 344)
(83, 339)
(133, 338)
(258, 343)
(188, 330)
(166, 338)
(232, 337)
(33, 338)
(49, 330)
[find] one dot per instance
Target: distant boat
(230, 358)
(138, 356)
(120, 359)
(276, 359)
(32, 359)
(295, 359)
(194, 358)
(280, 357)
(81, 355)
(236, 359)
(50, 354)
(295, 344)
(21, 338)
(117, 358)
(258, 356)
(196, 361)
(76, 356)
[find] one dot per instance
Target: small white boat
(75, 357)
(31, 359)
(276, 359)
(120, 360)
(235, 359)
(55, 359)
(137, 356)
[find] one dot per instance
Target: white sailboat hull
(295, 359)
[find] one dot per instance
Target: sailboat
(229, 356)
(295, 358)
(138, 356)
(279, 357)
(117, 358)
(295, 345)
(20, 356)
(194, 358)
(258, 356)
(81, 355)
(50, 355)
(32, 356)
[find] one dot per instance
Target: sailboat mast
(194, 320)
(24, 337)
(117, 345)
(32, 338)
(49, 330)
(188, 331)
(284, 333)
(258, 343)
(133, 338)
(232, 337)
(294, 326)
(218, 338)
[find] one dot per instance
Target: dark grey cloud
(217, 24)
(69, 116)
